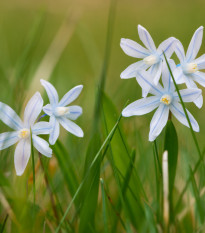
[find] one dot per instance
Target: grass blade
(104, 205)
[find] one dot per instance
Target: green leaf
(171, 145)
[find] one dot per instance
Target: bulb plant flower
(152, 57)
(23, 130)
(60, 112)
(188, 71)
(166, 100)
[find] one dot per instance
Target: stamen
(24, 133)
(151, 60)
(190, 68)
(166, 99)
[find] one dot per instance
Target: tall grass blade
(104, 206)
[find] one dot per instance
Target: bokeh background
(64, 42)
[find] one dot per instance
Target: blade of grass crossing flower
(157, 157)
(171, 145)
(104, 207)
(199, 204)
(186, 114)
(105, 144)
(33, 166)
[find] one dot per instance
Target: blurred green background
(64, 42)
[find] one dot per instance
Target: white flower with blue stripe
(165, 99)
(188, 71)
(22, 132)
(152, 57)
(60, 112)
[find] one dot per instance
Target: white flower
(165, 99)
(59, 112)
(152, 58)
(22, 132)
(189, 69)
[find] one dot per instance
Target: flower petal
(22, 155)
(178, 75)
(7, 139)
(71, 126)
(199, 77)
(146, 38)
(188, 95)
(33, 109)
(55, 130)
(166, 76)
(41, 127)
(178, 112)
(156, 72)
(74, 112)
(133, 49)
(167, 47)
(71, 96)
(158, 121)
(179, 50)
(48, 109)
(131, 71)
(51, 92)
(146, 82)
(42, 146)
(195, 44)
(9, 117)
(141, 107)
(200, 61)
(199, 101)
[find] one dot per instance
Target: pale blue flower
(59, 112)
(165, 99)
(189, 69)
(22, 132)
(152, 57)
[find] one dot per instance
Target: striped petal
(179, 50)
(178, 112)
(167, 47)
(188, 95)
(195, 44)
(74, 112)
(70, 96)
(166, 76)
(42, 146)
(131, 71)
(9, 117)
(71, 127)
(33, 109)
(141, 107)
(199, 77)
(133, 49)
(158, 121)
(48, 109)
(51, 92)
(8, 139)
(41, 127)
(55, 130)
(178, 75)
(22, 155)
(146, 38)
(156, 72)
(200, 61)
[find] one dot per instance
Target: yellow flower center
(24, 133)
(166, 99)
(190, 68)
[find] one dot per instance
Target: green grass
(111, 180)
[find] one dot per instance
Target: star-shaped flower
(22, 132)
(59, 112)
(152, 57)
(165, 99)
(189, 69)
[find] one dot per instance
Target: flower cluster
(30, 127)
(153, 66)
